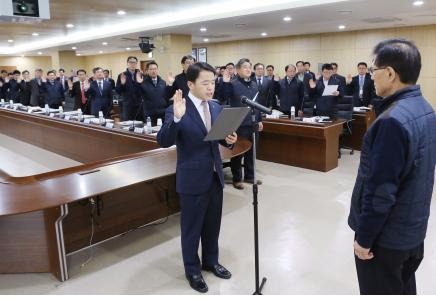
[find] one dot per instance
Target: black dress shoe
(197, 282)
(251, 181)
(219, 271)
(238, 185)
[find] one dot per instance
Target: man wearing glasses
(390, 205)
(131, 108)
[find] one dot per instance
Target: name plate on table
(109, 125)
(139, 130)
(87, 121)
(67, 117)
(51, 115)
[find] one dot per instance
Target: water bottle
(101, 118)
(61, 112)
(292, 113)
(149, 130)
(47, 109)
(159, 123)
(79, 115)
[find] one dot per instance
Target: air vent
(379, 20)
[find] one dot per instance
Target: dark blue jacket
(156, 99)
(180, 82)
(267, 91)
(129, 91)
(55, 93)
(291, 94)
(391, 199)
(100, 100)
(195, 158)
(12, 89)
(326, 105)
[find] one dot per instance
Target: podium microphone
(255, 105)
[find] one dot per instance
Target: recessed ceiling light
(69, 25)
(101, 52)
(10, 40)
(74, 48)
(204, 29)
(39, 53)
(128, 49)
(341, 27)
(264, 34)
(121, 12)
(418, 3)
(78, 54)
(104, 43)
(35, 34)
(22, 56)
(206, 39)
(287, 19)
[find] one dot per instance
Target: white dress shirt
(197, 103)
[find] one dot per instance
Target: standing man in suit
(78, 92)
(106, 73)
(127, 87)
(13, 87)
(55, 92)
(25, 88)
(304, 77)
(38, 91)
(180, 81)
(291, 92)
(307, 70)
(100, 94)
(155, 93)
(326, 105)
(62, 78)
(267, 87)
(361, 87)
(340, 78)
(235, 89)
(199, 174)
(270, 72)
(390, 204)
(3, 77)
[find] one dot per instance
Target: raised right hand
(170, 79)
(312, 84)
(349, 79)
(226, 76)
(122, 78)
(139, 77)
(179, 104)
(70, 84)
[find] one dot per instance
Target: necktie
(361, 81)
(83, 93)
(155, 83)
(206, 114)
(100, 87)
(259, 82)
(289, 81)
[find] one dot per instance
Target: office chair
(345, 111)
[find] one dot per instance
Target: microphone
(255, 105)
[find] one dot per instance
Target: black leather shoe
(197, 282)
(251, 181)
(238, 185)
(219, 271)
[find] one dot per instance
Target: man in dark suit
(3, 76)
(270, 72)
(361, 87)
(127, 87)
(243, 85)
(155, 93)
(100, 94)
(337, 76)
(291, 92)
(180, 81)
(78, 92)
(107, 78)
(267, 87)
(38, 91)
(55, 92)
(25, 88)
(62, 78)
(199, 174)
(307, 70)
(304, 77)
(12, 87)
(326, 105)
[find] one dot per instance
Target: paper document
(329, 89)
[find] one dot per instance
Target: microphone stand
(136, 116)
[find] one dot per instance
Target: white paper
(329, 89)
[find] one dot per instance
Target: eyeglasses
(372, 69)
(133, 62)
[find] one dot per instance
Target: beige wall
(345, 48)
(27, 63)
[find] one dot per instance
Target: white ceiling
(244, 20)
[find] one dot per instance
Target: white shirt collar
(197, 102)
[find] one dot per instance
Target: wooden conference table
(125, 181)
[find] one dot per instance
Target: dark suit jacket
(156, 99)
(130, 91)
(38, 93)
(100, 100)
(64, 82)
(55, 93)
(196, 158)
(111, 81)
(290, 94)
(76, 93)
(12, 90)
(368, 91)
(326, 105)
(25, 92)
(267, 91)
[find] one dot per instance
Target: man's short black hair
(187, 57)
(194, 70)
(327, 66)
(4, 71)
(362, 63)
(51, 71)
(299, 61)
(222, 68)
(306, 63)
(290, 65)
(25, 71)
(242, 61)
(97, 69)
(81, 70)
(272, 66)
(16, 72)
(151, 63)
(132, 57)
(106, 70)
(61, 69)
(334, 64)
(230, 63)
(257, 64)
(400, 54)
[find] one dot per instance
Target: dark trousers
(132, 111)
(98, 105)
(54, 105)
(201, 219)
(236, 162)
(390, 271)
